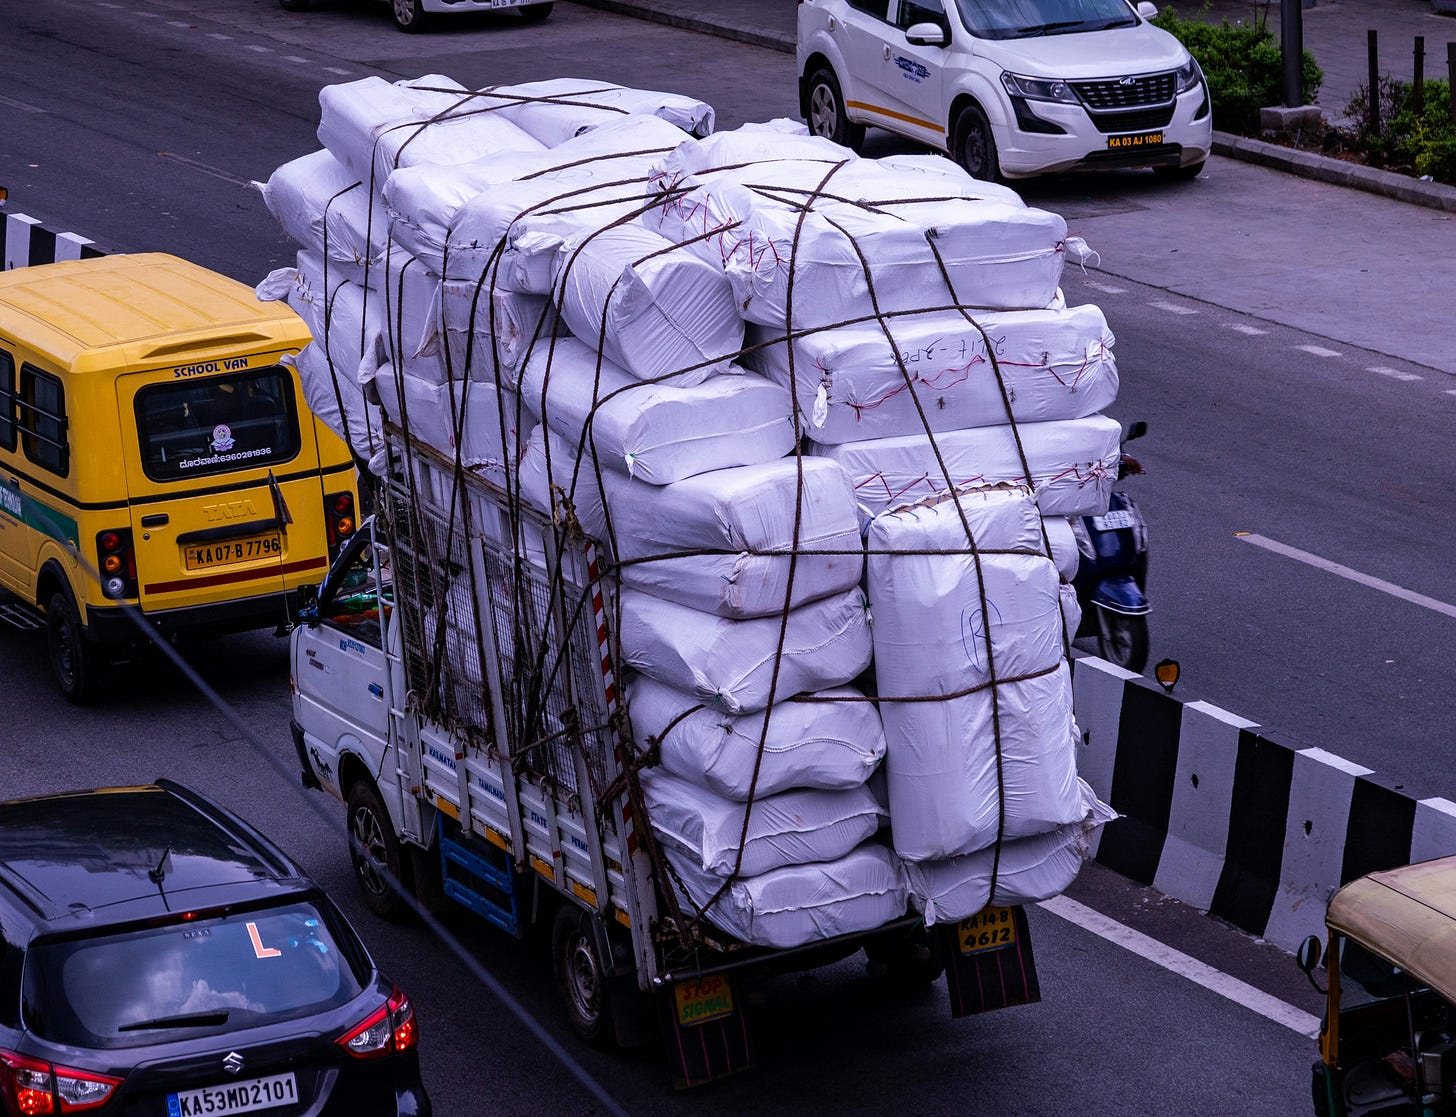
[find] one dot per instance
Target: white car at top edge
(420, 15)
(1009, 88)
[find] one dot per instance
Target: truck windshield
(190, 428)
(1025, 19)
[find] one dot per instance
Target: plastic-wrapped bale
(489, 333)
(373, 127)
(413, 334)
(1073, 463)
(721, 542)
(799, 904)
(325, 208)
(473, 417)
(339, 402)
(1028, 871)
(833, 742)
(657, 310)
(898, 376)
(974, 689)
(730, 665)
(794, 827)
(559, 109)
(657, 433)
(340, 315)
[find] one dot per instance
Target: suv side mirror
(1147, 10)
(926, 35)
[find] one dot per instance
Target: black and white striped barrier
(24, 241)
(1231, 821)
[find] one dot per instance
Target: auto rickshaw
(1388, 1038)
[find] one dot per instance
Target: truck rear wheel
(76, 662)
(582, 976)
(374, 850)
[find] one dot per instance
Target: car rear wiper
(184, 1020)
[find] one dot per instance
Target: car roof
(79, 852)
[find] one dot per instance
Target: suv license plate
(236, 1097)
(1111, 521)
(205, 556)
(1141, 139)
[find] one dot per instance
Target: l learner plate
(1141, 139)
(236, 1097)
(205, 556)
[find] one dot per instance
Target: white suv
(1009, 88)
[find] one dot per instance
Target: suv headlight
(1189, 75)
(1038, 89)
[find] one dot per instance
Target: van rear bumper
(107, 624)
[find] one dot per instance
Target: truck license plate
(236, 1097)
(704, 1000)
(988, 929)
(1111, 521)
(1141, 139)
(204, 556)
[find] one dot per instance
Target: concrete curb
(24, 241)
(673, 16)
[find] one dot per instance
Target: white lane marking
(1107, 288)
(148, 15)
(1451, 391)
(1318, 351)
(219, 36)
(177, 23)
(205, 168)
(1173, 308)
(293, 58)
(1200, 973)
(21, 105)
(337, 70)
(1394, 373)
(1329, 567)
(1252, 331)
(261, 50)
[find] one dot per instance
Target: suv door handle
(887, 52)
(833, 23)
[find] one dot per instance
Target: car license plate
(988, 929)
(1140, 139)
(204, 556)
(236, 1097)
(703, 1000)
(1111, 521)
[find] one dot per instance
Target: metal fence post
(1374, 81)
(1291, 44)
(1418, 85)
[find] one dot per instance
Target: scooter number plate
(1117, 518)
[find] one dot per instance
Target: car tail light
(116, 560)
(389, 1029)
(339, 512)
(34, 1087)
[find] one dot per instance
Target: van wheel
(973, 145)
(534, 13)
(582, 976)
(827, 114)
(374, 851)
(76, 662)
(409, 16)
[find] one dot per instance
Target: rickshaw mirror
(1308, 955)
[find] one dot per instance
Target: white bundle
(558, 109)
(832, 742)
(413, 333)
(471, 415)
(658, 311)
(340, 315)
(996, 758)
(730, 665)
(1029, 870)
(488, 333)
(1063, 541)
(1073, 463)
(896, 376)
(325, 208)
(794, 827)
(338, 401)
(798, 904)
(374, 127)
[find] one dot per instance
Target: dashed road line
(1431, 603)
(1251, 331)
(260, 49)
(1394, 373)
(218, 35)
(1318, 351)
(21, 105)
(1173, 308)
(205, 168)
(296, 58)
(337, 70)
(1107, 288)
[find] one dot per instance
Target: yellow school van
(157, 458)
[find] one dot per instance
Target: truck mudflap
(705, 1030)
(988, 961)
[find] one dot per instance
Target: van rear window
(223, 423)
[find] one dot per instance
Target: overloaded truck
(715, 613)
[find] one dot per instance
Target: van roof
(1406, 915)
(153, 306)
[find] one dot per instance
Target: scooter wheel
(1123, 640)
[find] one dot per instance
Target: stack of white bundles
(1027, 871)
(995, 758)
(790, 828)
(942, 370)
(489, 332)
(413, 333)
(721, 542)
(339, 314)
(374, 127)
(559, 109)
(1073, 463)
(339, 402)
(323, 207)
(737, 667)
(471, 420)
(657, 433)
(798, 904)
(832, 741)
(658, 310)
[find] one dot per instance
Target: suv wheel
(409, 15)
(827, 115)
(375, 853)
(534, 13)
(973, 145)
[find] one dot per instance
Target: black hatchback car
(159, 956)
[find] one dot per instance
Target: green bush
(1244, 65)
(1420, 143)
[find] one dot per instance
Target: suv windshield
(1024, 19)
(189, 428)
(215, 972)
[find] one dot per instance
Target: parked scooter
(1112, 572)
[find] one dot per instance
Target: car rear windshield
(1026, 19)
(216, 424)
(214, 973)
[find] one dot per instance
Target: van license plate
(1142, 139)
(988, 929)
(704, 1000)
(204, 556)
(236, 1097)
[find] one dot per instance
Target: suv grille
(1142, 121)
(1151, 89)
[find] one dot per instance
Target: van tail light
(34, 1087)
(339, 514)
(116, 562)
(387, 1030)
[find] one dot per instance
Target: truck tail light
(339, 513)
(389, 1029)
(116, 562)
(35, 1087)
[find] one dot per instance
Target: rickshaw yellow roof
(1406, 915)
